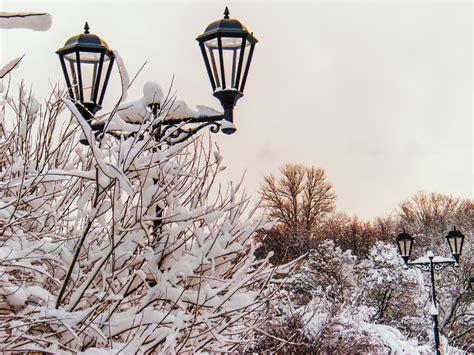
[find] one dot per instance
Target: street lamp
(227, 48)
(87, 62)
(430, 263)
(471, 284)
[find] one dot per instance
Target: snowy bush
(122, 244)
(328, 306)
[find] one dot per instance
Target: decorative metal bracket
(175, 130)
(425, 266)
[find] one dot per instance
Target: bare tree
(432, 215)
(299, 198)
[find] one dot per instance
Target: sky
(378, 94)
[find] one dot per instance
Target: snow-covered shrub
(308, 316)
(327, 274)
(392, 292)
(120, 244)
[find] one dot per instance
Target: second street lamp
(430, 263)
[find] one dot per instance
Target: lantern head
(405, 244)
(455, 241)
(227, 48)
(87, 62)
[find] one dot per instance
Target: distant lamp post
(430, 263)
(227, 48)
(87, 62)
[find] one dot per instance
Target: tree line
(303, 205)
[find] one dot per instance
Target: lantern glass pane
(245, 60)
(72, 73)
(231, 56)
(213, 56)
(458, 244)
(90, 74)
(233, 63)
(404, 246)
(401, 247)
(451, 244)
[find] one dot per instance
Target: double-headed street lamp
(227, 48)
(430, 263)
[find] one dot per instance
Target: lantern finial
(86, 28)
(226, 13)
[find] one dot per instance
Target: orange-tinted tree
(297, 200)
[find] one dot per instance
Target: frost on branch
(87, 262)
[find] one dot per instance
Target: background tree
(431, 216)
(297, 200)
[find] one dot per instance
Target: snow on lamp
(227, 48)
(87, 62)
(455, 241)
(405, 244)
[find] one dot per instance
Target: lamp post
(432, 263)
(227, 48)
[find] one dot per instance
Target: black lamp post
(87, 62)
(430, 263)
(226, 45)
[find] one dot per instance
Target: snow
(29, 20)
(394, 341)
(227, 125)
(436, 259)
(152, 93)
(124, 77)
(7, 68)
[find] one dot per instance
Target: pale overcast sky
(379, 94)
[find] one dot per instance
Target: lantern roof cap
(226, 27)
(454, 233)
(404, 235)
(85, 41)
